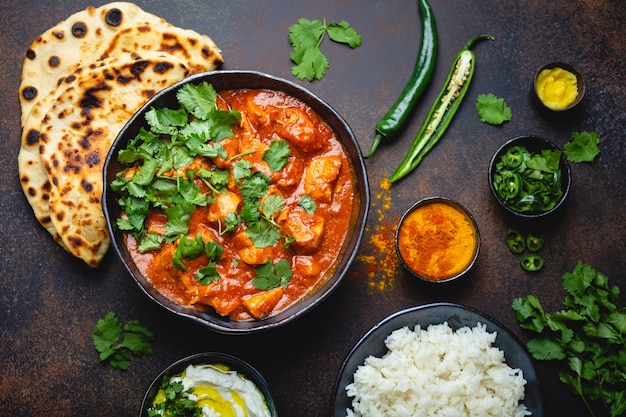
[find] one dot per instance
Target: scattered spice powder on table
(383, 266)
(437, 241)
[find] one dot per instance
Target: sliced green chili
(443, 109)
(534, 242)
(531, 263)
(396, 117)
(515, 241)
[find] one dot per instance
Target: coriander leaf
(270, 276)
(308, 204)
(342, 32)
(223, 122)
(263, 233)
(254, 187)
(272, 205)
(311, 64)
(137, 339)
(582, 147)
(113, 341)
(306, 33)
(306, 37)
(277, 155)
(241, 169)
(107, 332)
(119, 360)
(492, 109)
(166, 120)
(545, 349)
(199, 100)
(207, 274)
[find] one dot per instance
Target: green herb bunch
(160, 174)
(588, 333)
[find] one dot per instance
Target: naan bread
(33, 176)
(75, 138)
(91, 45)
(198, 51)
(72, 43)
(97, 33)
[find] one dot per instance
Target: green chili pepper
(531, 263)
(534, 242)
(514, 156)
(515, 241)
(442, 110)
(397, 115)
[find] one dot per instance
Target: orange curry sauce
(318, 166)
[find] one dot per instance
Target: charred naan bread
(198, 51)
(75, 138)
(97, 33)
(33, 176)
(71, 43)
(91, 45)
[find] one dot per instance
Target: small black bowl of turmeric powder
(437, 240)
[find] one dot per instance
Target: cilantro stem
(241, 155)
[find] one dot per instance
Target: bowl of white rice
(438, 360)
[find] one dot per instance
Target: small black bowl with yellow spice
(558, 86)
(437, 240)
(529, 176)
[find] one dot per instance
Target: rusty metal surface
(49, 302)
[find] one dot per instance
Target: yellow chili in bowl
(437, 241)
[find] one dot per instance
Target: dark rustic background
(49, 302)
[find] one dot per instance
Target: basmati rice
(438, 372)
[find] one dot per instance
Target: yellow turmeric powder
(437, 241)
(382, 264)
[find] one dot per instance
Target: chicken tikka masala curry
(246, 222)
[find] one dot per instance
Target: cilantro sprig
(175, 402)
(306, 36)
(270, 275)
(153, 179)
(589, 334)
(582, 147)
(114, 341)
(492, 109)
(162, 174)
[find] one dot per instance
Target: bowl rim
(568, 67)
(353, 240)
(542, 143)
(234, 363)
(453, 203)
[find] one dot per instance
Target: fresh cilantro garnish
(308, 204)
(277, 155)
(270, 275)
(306, 37)
(113, 340)
(582, 147)
(175, 138)
(175, 401)
(587, 334)
(169, 169)
(492, 109)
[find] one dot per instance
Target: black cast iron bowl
(210, 358)
(533, 144)
(224, 80)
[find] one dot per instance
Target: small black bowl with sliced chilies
(529, 176)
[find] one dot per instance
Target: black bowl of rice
(396, 368)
